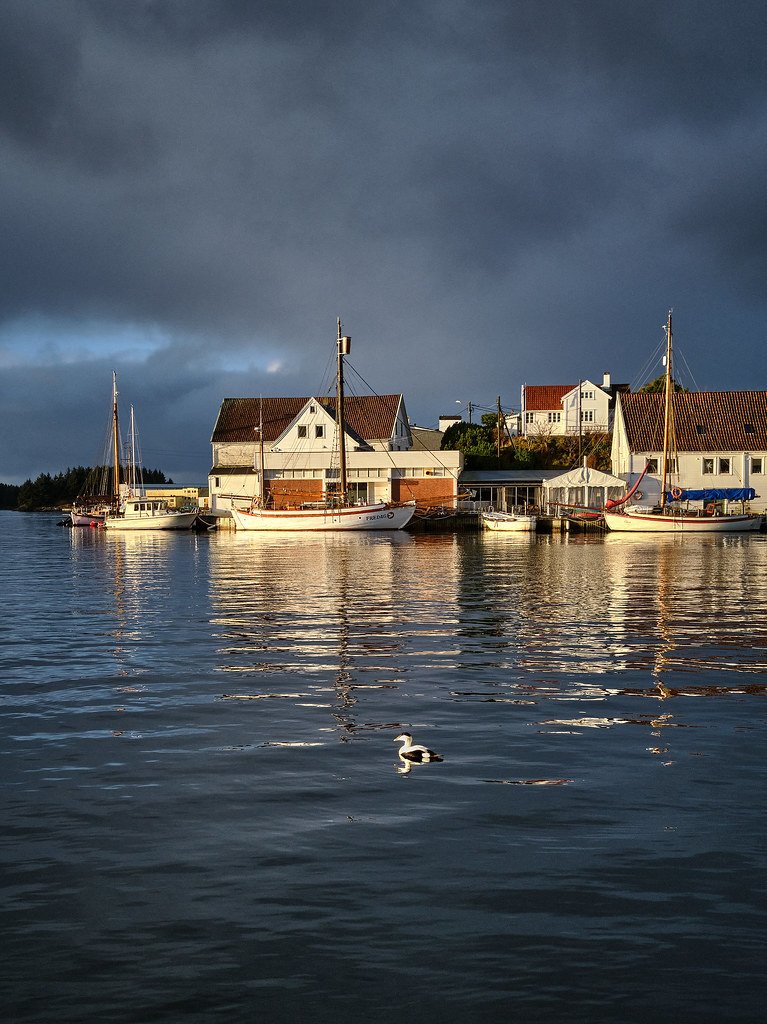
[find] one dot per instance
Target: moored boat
(334, 511)
(140, 513)
(673, 513)
(135, 511)
(508, 522)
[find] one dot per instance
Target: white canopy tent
(583, 486)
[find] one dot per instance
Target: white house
(560, 409)
(300, 460)
(720, 440)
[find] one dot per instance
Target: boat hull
(163, 521)
(87, 518)
(648, 522)
(359, 517)
(508, 523)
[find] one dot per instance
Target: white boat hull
(87, 518)
(506, 523)
(160, 521)
(358, 517)
(660, 522)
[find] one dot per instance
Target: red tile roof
(704, 421)
(372, 417)
(545, 397)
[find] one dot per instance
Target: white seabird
(414, 752)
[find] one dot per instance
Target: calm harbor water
(205, 819)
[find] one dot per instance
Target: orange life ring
(676, 493)
(711, 508)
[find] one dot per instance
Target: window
(319, 431)
(724, 465)
(708, 466)
(587, 415)
(699, 428)
(652, 465)
(748, 428)
(312, 409)
(357, 494)
(217, 481)
(756, 464)
(302, 431)
(587, 394)
(555, 417)
(529, 417)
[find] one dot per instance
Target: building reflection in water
(333, 613)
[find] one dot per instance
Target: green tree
(9, 496)
(659, 385)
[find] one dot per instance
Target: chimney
(606, 382)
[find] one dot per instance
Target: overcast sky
(489, 193)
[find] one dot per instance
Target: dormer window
(699, 428)
(748, 428)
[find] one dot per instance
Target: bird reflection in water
(413, 753)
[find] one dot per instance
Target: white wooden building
(562, 409)
(300, 460)
(720, 440)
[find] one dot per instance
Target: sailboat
(334, 511)
(508, 522)
(92, 506)
(670, 515)
(135, 511)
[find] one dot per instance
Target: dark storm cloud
(537, 181)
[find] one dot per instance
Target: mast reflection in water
(204, 818)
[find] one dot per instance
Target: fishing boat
(507, 522)
(141, 513)
(672, 513)
(135, 511)
(334, 511)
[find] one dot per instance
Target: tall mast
(344, 348)
(115, 443)
(666, 414)
(133, 473)
(261, 501)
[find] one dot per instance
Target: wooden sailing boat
(92, 506)
(670, 515)
(334, 512)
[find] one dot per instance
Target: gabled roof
(704, 421)
(585, 476)
(372, 417)
(542, 397)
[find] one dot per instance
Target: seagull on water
(414, 752)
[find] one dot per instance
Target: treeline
(478, 442)
(50, 492)
(9, 496)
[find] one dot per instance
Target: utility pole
(580, 421)
(498, 432)
(470, 406)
